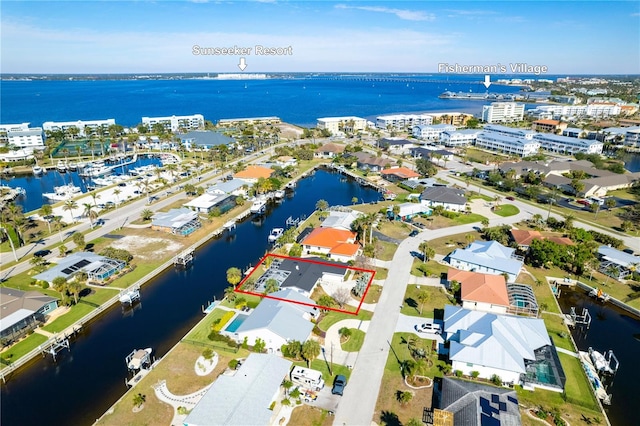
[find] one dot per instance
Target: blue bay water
(298, 101)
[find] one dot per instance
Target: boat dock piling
(185, 258)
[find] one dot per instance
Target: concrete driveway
(326, 400)
(407, 324)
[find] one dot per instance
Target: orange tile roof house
(481, 292)
(523, 238)
(253, 173)
(338, 244)
(399, 174)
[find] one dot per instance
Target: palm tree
(69, 206)
(60, 285)
(15, 256)
(610, 203)
(117, 192)
(427, 251)
(423, 297)
(94, 196)
(234, 275)
(139, 400)
(90, 213)
(146, 214)
(46, 211)
(230, 293)
(310, 350)
(57, 225)
(568, 221)
(469, 238)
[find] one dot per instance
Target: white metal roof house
(277, 322)
(616, 263)
(244, 398)
(207, 202)
(182, 221)
(488, 257)
(340, 219)
(512, 347)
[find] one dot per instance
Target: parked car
(510, 198)
(428, 327)
(584, 202)
(413, 233)
(338, 385)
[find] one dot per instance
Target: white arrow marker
(487, 81)
(242, 65)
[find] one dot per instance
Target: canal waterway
(611, 328)
(87, 380)
(35, 186)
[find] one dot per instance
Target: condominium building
(502, 112)
(81, 125)
(337, 125)
(510, 131)
(402, 121)
(568, 145)
(459, 137)
(548, 126)
(632, 136)
(21, 136)
(591, 110)
(176, 122)
(507, 144)
(431, 132)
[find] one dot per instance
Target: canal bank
(89, 378)
(611, 328)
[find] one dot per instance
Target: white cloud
(31, 49)
(635, 14)
(406, 14)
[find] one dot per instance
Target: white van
(307, 378)
(429, 327)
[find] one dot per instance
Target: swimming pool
(237, 321)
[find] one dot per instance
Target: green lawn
(463, 218)
(381, 273)
(355, 341)
(200, 332)
(433, 268)
(373, 294)
(506, 210)
(558, 331)
(22, 348)
(396, 229)
(432, 308)
(141, 270)
(400, 352)
(388, 250)
(323, 366)
(75, 313)
(577, 386)
(333, 317)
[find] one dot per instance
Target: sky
(568, 37)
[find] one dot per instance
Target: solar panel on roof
(495, 398)
(512, 399)
(76, 266)
(502, 406)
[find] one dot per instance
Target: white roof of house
(281, 317)
(174, 218)
(490, 254)
(411, 208)
(226, 187)
(340, 220)
(205, 201)
(244, 398)
(491, 340)
(618, 257)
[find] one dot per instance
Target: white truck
(307, 378)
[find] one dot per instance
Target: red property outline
(373, 273)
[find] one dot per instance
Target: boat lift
(184, 259)
(572, 318)
(129, 297)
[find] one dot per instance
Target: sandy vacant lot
(147, 247)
